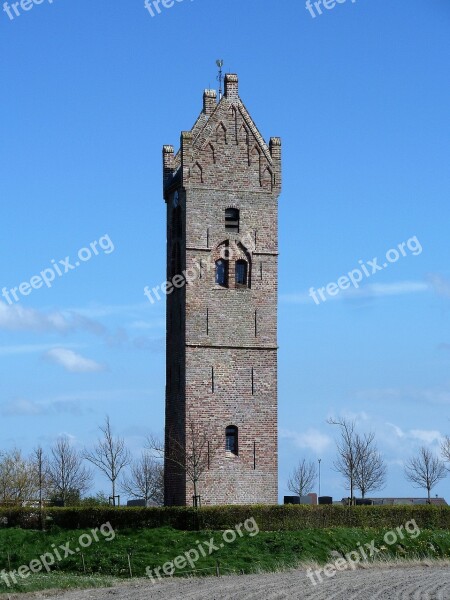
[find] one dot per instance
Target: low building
(396, 501)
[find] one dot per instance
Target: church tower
(221, 190)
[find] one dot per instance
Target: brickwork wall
(222, 341)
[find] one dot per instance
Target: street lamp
(320, 460)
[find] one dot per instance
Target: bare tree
(445, 450)
(370, 471)
(347, 460)
(39, 464)
(303, 478)
(425, 470)
(110, 455)
(68, 477)
(41, 475)
(192, 458)
(145, 480)
(17, 483)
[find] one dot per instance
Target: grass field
(105, 561)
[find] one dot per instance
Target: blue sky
(360, 96)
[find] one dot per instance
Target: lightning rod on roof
(219, 63)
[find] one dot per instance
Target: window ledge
(238, 288)
(229, 454)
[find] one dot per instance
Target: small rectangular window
(231, 440)
(232, 219)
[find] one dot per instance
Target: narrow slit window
(222, 272)
(231, 437)
(241, 273)
(232, 219)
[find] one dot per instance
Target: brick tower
(221, 191)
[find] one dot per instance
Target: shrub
(269, 518)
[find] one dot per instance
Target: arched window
(222, 272)
(232, 219)
(231, 440)
(241, 273)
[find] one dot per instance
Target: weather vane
(219, 63)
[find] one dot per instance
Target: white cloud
(73, 362)
(398, 432)
(20, 406)
(371, 290)
(20, 318)
(29, 408)
(29, 348)
(102, 310)
(312, 439)
(376, 290)
(427, 436)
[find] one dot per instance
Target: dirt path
(394, 583)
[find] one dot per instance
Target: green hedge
(269, 518)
